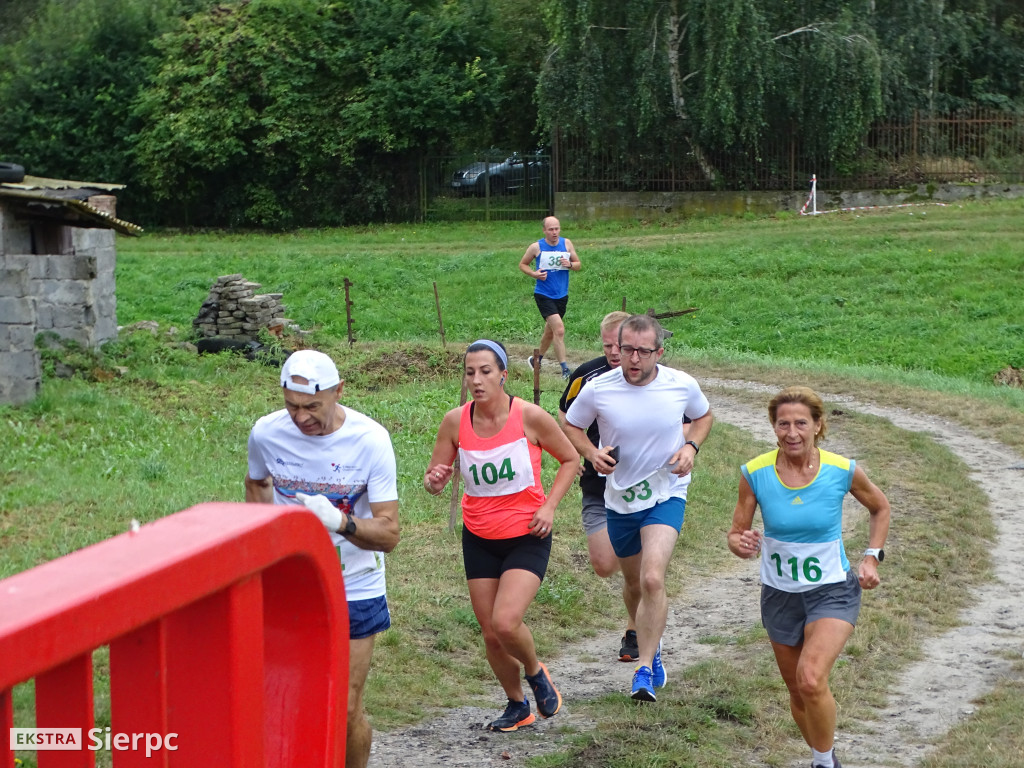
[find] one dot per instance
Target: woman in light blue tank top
(810, 596)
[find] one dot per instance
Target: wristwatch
(349, 528)
(696, 448)
(878, 554)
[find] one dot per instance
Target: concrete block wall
(654, 206)
(20, 372)
(71, 294)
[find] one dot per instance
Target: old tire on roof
(11, 173)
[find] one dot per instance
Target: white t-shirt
(646, 423)
(352, 466)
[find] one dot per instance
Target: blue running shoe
(643, 688)
(516, 715)
(549, 700)
(658, 674)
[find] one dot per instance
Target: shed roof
(66, 201)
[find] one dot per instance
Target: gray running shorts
(785, 614)
(595, 516)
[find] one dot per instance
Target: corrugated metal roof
(40, 197)
(38, 182)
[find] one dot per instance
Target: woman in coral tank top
(507, 518)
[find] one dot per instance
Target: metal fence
(978, 146)
(488, 186)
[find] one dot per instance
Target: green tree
(15, 16)
(951, 54)
(518, 39)
(292, 112)
(67, 84)
(718, 75)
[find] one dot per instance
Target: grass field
(908, 309)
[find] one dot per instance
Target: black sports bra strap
(472, 408)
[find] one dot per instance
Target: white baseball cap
(315, 367)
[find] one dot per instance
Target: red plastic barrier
(227, 625)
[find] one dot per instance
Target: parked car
(507, 175)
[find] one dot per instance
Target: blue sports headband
(496, 349)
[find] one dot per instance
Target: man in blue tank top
(549, 261)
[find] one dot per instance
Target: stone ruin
(235, 311)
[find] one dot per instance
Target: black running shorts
(549, 306)
(489, 558)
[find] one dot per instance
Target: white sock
(821, 759)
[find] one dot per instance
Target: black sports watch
(696, 448)
(349, 528)
(878, 554)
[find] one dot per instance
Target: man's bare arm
(259, 491)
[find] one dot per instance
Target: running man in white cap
(340, 464)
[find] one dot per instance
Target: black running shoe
(549, 700)
(629, 651)
(516, 715)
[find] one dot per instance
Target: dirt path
(930, 697)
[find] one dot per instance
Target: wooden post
(536, 376)
(440, 322)
(348, 312)
(623, 303)
(456, 475)
(676, 313)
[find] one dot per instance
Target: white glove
(321, 506)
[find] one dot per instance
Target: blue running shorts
(368, 617)
(624, 530)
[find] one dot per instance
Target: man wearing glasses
(639, 409)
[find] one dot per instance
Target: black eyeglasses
(641, 352)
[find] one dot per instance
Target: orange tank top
(501, 475)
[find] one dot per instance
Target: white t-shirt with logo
(646, 423)
(352, 466)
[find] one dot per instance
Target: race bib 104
(499, 471)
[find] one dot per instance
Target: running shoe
(566, 373)
(549, 700)
(629, 651)
(835, 761)
(529, 361)
(643, 687)
(516, 715)
(658, 674)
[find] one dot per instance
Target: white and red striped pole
(812, 199)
